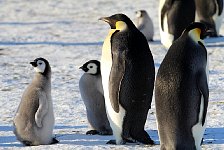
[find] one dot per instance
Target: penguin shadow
(214, 136)
(9, 140)
(74, 135)
(53, 43)
(214, 41)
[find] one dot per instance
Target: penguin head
(140, 13)
(119, 22)
(41, 66)
(196, 31)
(91, 67)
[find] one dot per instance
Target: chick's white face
(138, 14)
(40, 66)
(92, 68)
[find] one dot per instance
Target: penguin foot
(27, 143)
(92, 132)
(54, 141)
(113, 142)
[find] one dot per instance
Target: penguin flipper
(42, 109)
(116, 76)
(167, 5)
(220, 6)
(203, 88)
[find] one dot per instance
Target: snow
(68, 33)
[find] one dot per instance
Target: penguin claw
(54, 141)
(92, 132)
(113, 142)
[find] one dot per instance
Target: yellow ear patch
(195, 34)
(121, 25)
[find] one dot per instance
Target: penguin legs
(133, 130)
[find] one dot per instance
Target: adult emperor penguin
(210, 12)
(144, 24)
(174, 17)
(128, 73)
(91, 89)
(181, 91)
(34, 119)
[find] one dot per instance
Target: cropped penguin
(128, 73)
(145, 24)
(181, 91)
(174, 17)
(91, 89)
(34, 119)
(210, 12)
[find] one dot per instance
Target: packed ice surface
(68, 33)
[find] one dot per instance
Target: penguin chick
(34, 119)
(144, 24)
(181, 91)
(90, 86)
(128, 73)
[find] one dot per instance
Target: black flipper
(54, 141)
(220, 6)
(203, 88)
(167, 5)
(116, 75)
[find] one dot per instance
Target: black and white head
(140, 13)
(119, 22)
(196, 31)
(41, 66)
(91, 67)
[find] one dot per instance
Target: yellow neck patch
(121, 25)
(195, 35)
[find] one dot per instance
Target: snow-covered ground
(68, 33)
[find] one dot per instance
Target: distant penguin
(145, 24)
(34, 119)
(91, 89)
(174, 17)
(128, 73)
(210, 12)
(181, 91)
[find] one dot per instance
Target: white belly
(46, 132)
(198, 130)
(218, 19)
(115, 119)
(166, 38)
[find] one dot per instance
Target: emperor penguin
(174, 17)
(144, 24)
(91, 89)
(34, 119)
(210, 12)
(128, 74)
(181, 91)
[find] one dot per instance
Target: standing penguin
(34, 119)
(91, 89)
(174, 17)
(210, 12)
(144, 24)
(181, 91)
(128, 73)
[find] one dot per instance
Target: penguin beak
(84, 68)
(110, 21)
(33, 63)
(106, 19)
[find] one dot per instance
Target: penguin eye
(40, 63)
(90, 66)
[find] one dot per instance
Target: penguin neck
(43, 81)
(195, 35)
